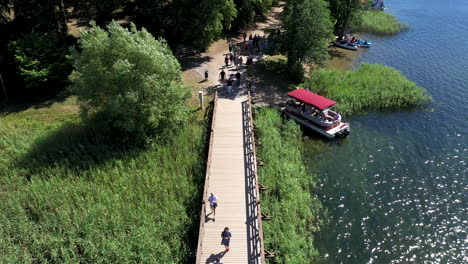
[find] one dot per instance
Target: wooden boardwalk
(229, 176)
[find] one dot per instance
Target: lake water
(396, 189)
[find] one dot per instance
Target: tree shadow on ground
(271, 87)
(190, 58)
(73, 148)
(20, 103)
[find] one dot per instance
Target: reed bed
(69, 195)
(289, 199)
(371, 87)
(379, 22)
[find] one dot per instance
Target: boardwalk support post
(269, 254)
(265, 217)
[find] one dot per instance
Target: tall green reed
(290, 198)
(371, 87)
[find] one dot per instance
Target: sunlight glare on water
(396, 189)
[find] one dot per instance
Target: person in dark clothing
(222, 74)
(226, 235)
(231, 57)
(229, 85)
(245, 36)
(238, 76)
(226, 60)
(250, 37)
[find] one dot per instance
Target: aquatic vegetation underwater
(371, 87)
(290, 198)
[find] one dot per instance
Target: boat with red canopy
(314, 111)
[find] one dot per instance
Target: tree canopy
(129, 82)
(308, 29)
(344, 12)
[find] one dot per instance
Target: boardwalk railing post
(207, 177)
(253, 164)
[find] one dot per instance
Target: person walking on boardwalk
(222, 74)
(226, 238)
(226, 60)
(229, 85)
(230, 46)
(231, 57)
(238, 76)
(213, 199)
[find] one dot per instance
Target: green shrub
(371, 87)
(289, 199)
(129, 82)
(379, 22)
(42, 61)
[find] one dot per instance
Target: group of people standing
(230, 80)
(234, 57)
(254, 43)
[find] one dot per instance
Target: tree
(41, 61)
(208, 19)
(308, 29)
(129, 82)
(344, 13)
(247, 9)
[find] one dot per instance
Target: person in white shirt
(213, 199)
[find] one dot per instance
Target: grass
(69, 195)
(277, 64)
(379, 22)
(289, 199)
(371, 87)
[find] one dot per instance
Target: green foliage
(308, 29)
(41, 60)
(70, 196)
(371, 87)
(247, 9)
(345, 13)
(289, 198)
(276, 64)
(129, 82)
(379, 22)
(208, 19)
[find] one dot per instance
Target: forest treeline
(35, 40)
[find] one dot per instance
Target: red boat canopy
(311, 98)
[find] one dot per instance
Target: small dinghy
(362, 43)
(345, 45)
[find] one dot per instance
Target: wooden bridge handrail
(257, 189)
(207, 177)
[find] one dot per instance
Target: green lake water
(396, 189)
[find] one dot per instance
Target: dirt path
(195, 65)
(270, 88)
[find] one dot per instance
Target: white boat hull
(346, 46)
(332, 133)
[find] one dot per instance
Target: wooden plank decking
(227, 177)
